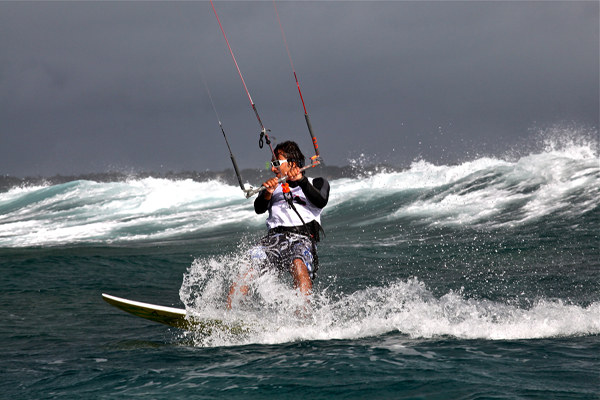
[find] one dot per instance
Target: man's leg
(302, 280)
(257, 256)
(240, 287)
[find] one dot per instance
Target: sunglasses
(277, 163)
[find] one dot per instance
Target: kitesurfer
(294, 223)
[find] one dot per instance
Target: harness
(304, 230)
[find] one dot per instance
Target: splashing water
(271, 311)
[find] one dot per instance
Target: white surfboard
(176, 317)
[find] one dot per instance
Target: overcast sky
(98, 86)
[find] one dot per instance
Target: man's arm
(261, 204)
(317, 193)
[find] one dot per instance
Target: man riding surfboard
(294, 223)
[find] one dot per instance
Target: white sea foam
(275, 313)
(558, 181)
(563, 180)
(146, 209)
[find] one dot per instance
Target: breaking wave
(561, 182)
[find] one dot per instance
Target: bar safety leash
(285, 187)
(287, 195)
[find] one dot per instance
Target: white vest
(280, 213)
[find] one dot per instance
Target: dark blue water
(479, 280)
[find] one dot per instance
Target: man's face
(283, 169)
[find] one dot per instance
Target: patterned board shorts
(279, 250)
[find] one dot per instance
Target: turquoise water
(477, 280)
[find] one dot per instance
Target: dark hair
(292, 152)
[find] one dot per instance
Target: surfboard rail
(175, 317)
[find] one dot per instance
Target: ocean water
(472, 281)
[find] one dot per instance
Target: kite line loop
(263, 131)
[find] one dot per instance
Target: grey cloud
(87, 86)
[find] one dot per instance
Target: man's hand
(294, 174)
(271, 185)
